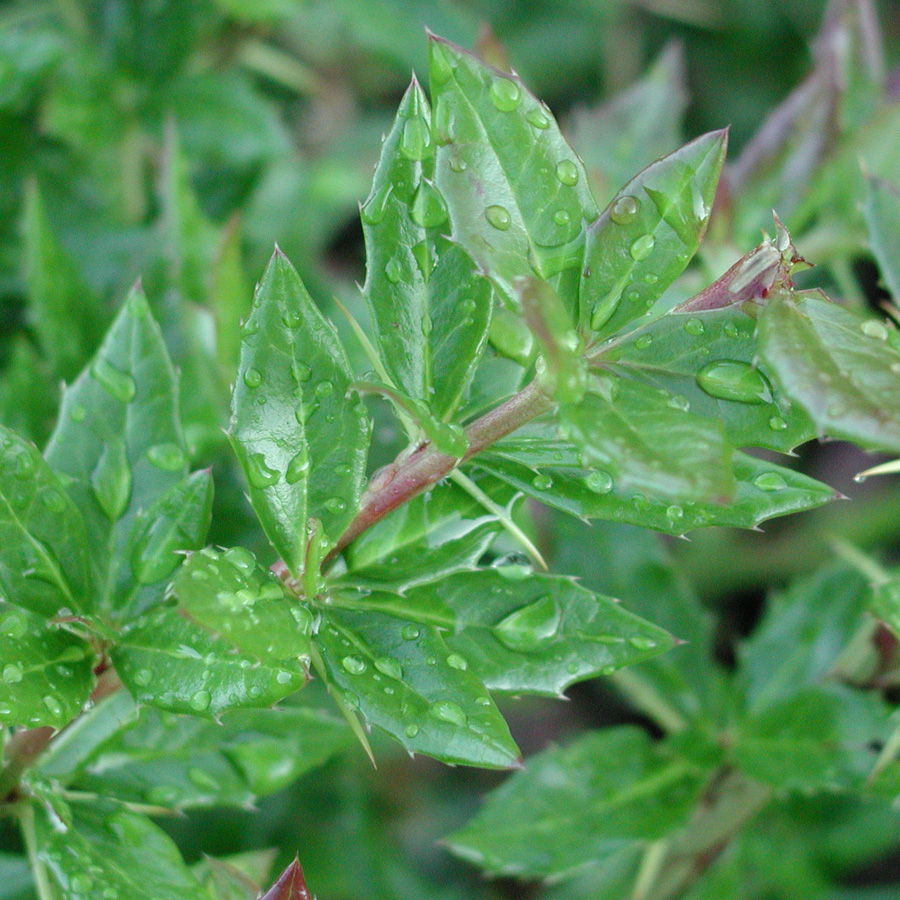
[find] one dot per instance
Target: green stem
(42, 882)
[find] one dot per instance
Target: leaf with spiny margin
(551, 471)
(184, 762)
(233, 596)
(635, 128)
(109, 849)
(708, 359)
(407, 681)
(525, 632)
(301, 441)
(175, 524)
(44, 547)
(171, 663)
(68, 318)
(606, 790)
(645, 441)
(647, 235)
(441, 531)
(516, 192)
(818, 739)
(429, 305)
(843, 371)
(119, 440)
(46, 674)
(882, 213)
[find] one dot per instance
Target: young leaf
(46, 675)
(516, 192)
(524, 632)
(647, 235)
(233, 596)
(603, 792)
(405, 679)
(44, 562)
(643, 439)
(290, 885)
(844, 372)
(108, 849)
(429, 305)
(171, 663)
(882, 213)
(119, 440)
(301, 441)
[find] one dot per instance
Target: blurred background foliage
(176, 141)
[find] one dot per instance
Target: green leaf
(106, 848)
(647, 235)
(302, 443)
(233, 596)
(15, 878)
(843, 371)
(119, 440)
(405, 679)
(46, 675)
(882, 212)
(516, 192)
(600, 794)
(550, 470)
(44, 564)
(27, 392)
(707, 360)
(643, 439)
(171, 663)
(182, 762)
(524, 632)
(235, 877)
(429, 305)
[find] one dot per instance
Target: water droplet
(118, 384)
(770, 481)
(731, 330)
(442, 64)
(505, 94)
(77, 413)
(448, 711)
(372, 212)
(526, 629)
(561, 217)
(243, 560)
(643, 342)
(14, 626)
(25, 466)
(389, 666)
(874, 329)
(111, 480)
(251, 326)
(642, 643)
(354, 665)
(732, 380)
(324, 389)
(416, 142)
(625, 210)
(54, 707)
(776, 423)
(642, 247)
(411, 731)
(457, 163)
(142, 677)
(53, 500)
(694, 327)
(428, 208)
(297, 467)
(538, 118)
(542, 482)
(455, 661)
(498, 216)
(252, 378)
(167, 456)
(409, 632)
(12, 673)
(259, 474)
(567, 172)
(335, 504)
(679, 402)
(674, 513)
(283, 677)
(599, 482)
(393, 271)
(201, 701)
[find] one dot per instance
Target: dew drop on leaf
(200, 701)
(625, 210)
(335, 504)
(392, 270)
(542, 482)
(428, 207)
(561, 217)
(409, 632)
(770, 481)
(252, 378)
(54, 707)
(167, 456)
(642, 247)
(694, 327)
(297, 467)
(416, 142)
(411, 731)
(567, 172)
(874, 329)
(242, 559)
(505, 94)
(733, 380)
(526, 629)
(77, 413)
(455, 661)
(498, 216)
(12, 673)
(259, 474)
(776, 423)
(448, 711)
(538, 118)
(117, 384)
(354, 665)
(389, 666)
(599, 482)
(643, 342)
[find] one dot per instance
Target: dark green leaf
(27, 392)
(44, 564)
(301, 441)
(405, 679)
(882, 212)
(46, 675)
(843, 371)
(647, 235)
(169, 662)
(600, 794)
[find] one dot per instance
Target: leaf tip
(290, 885)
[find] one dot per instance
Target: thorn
(290, 885)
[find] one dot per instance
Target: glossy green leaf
(119, 440)
(234, 597)
(524, 632)
(429, 305)
(882, 213)
(644, 440)
(647, 235)
(46, 675)
(180, 762)
(404, 678)
(169, 662)
(707, 360)
(603, 792)
(843, 371)
(106, 848)
(551, 471)
(516, 192)
(44, 548)
(301, 441)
